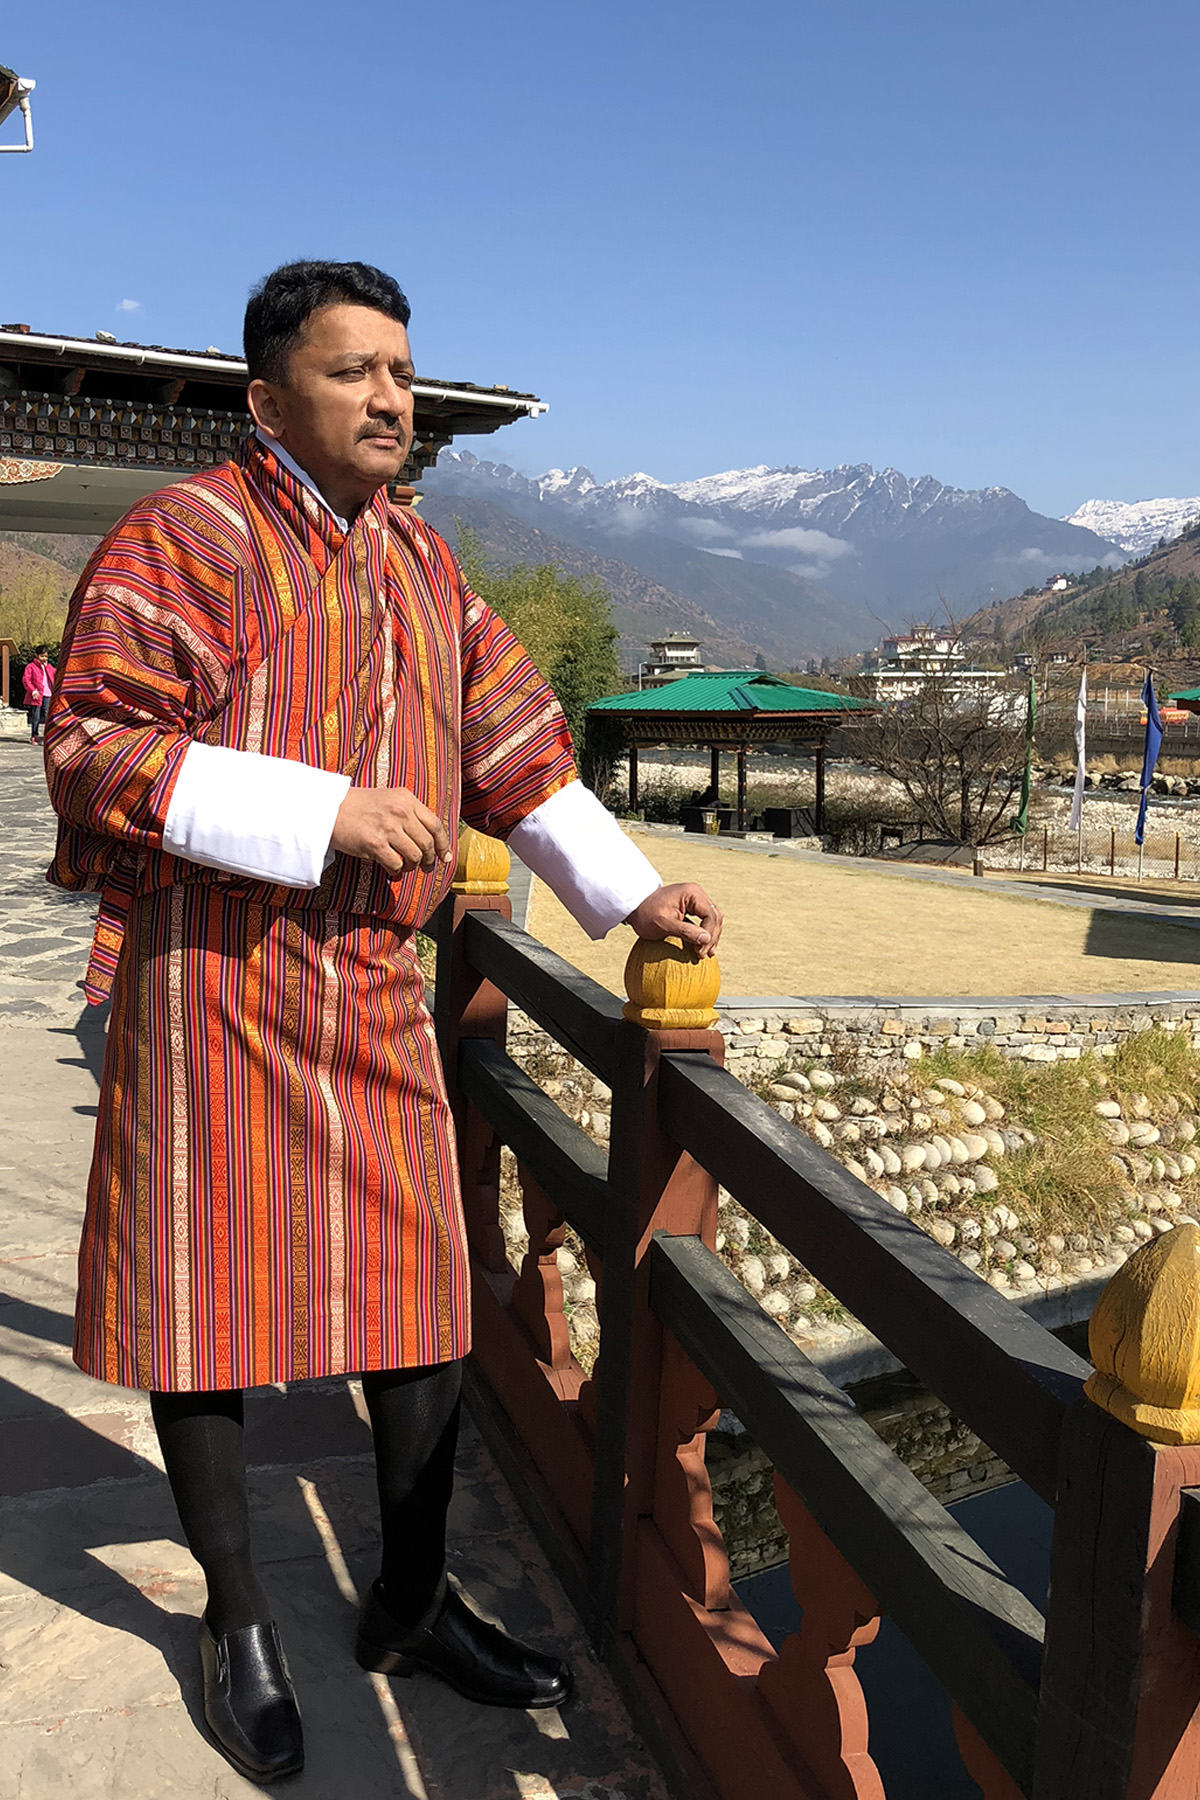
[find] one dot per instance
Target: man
(277, 699)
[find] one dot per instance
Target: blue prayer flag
(1154, 738)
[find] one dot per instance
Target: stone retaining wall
(1037, 1028)
(944, 1454)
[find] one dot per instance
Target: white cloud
(1041, 562)
(797, 537)
(711, 550)
(709, 529)
(128, 306)
(626, 518)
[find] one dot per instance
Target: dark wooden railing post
(653, 1185)
(466, 1005)
(1120, 1699)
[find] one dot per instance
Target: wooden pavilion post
(714, 772)
(741, 787)
(633, 777)
(1120, 1695)
(819, 804)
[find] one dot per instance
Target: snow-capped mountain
(836, 505)
(1136, 525)
(774, 553)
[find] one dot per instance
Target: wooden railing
(1097, 1701)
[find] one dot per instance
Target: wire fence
(1168, 854)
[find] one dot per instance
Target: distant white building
(670, 658)
(901, 666)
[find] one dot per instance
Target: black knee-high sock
(201, 1437)
(414, 1416)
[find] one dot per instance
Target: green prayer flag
(1021, 822)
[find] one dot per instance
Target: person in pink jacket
(39, 679)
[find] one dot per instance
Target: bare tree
(958, 753)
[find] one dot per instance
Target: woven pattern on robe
(273, 1192)
(231, 609)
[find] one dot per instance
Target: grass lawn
(825, 926)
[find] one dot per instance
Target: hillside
(61, 548)
(641, 607)
(36, 578)
(1150, 609)
(34, 569)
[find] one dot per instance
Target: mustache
(384, 427)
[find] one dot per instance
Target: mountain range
(801, 562)
(1136, 526)
(790, 563)
(641, 607)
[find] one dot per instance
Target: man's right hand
(391, 827)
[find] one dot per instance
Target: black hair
(284, 301)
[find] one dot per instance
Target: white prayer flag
(1081, 753)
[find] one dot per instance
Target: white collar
(289, 462)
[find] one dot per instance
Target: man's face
(346, 410)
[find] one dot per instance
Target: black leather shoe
(473, 1656)
(249, 1703)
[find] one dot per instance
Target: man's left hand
(682, 910)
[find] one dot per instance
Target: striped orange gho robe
(273, 1192)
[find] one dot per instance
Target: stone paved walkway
(99, 1598)
(44, 932)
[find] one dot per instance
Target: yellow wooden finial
(482, 866)
(670, 988)
(1145, 1340)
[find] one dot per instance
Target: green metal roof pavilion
(732, 709)
(1188, 699)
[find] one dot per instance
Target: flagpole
(1075, 822)
(1154, 738)
(1020, 823)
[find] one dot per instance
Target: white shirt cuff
(262, 816)
(577, 848)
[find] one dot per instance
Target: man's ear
(265, 410)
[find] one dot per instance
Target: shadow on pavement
(89, 1032)
(46, 1449)
(92, 1503)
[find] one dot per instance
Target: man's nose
(387, 397)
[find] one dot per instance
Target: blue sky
(955, 238)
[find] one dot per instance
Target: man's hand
(391, 827)
(682, 910)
